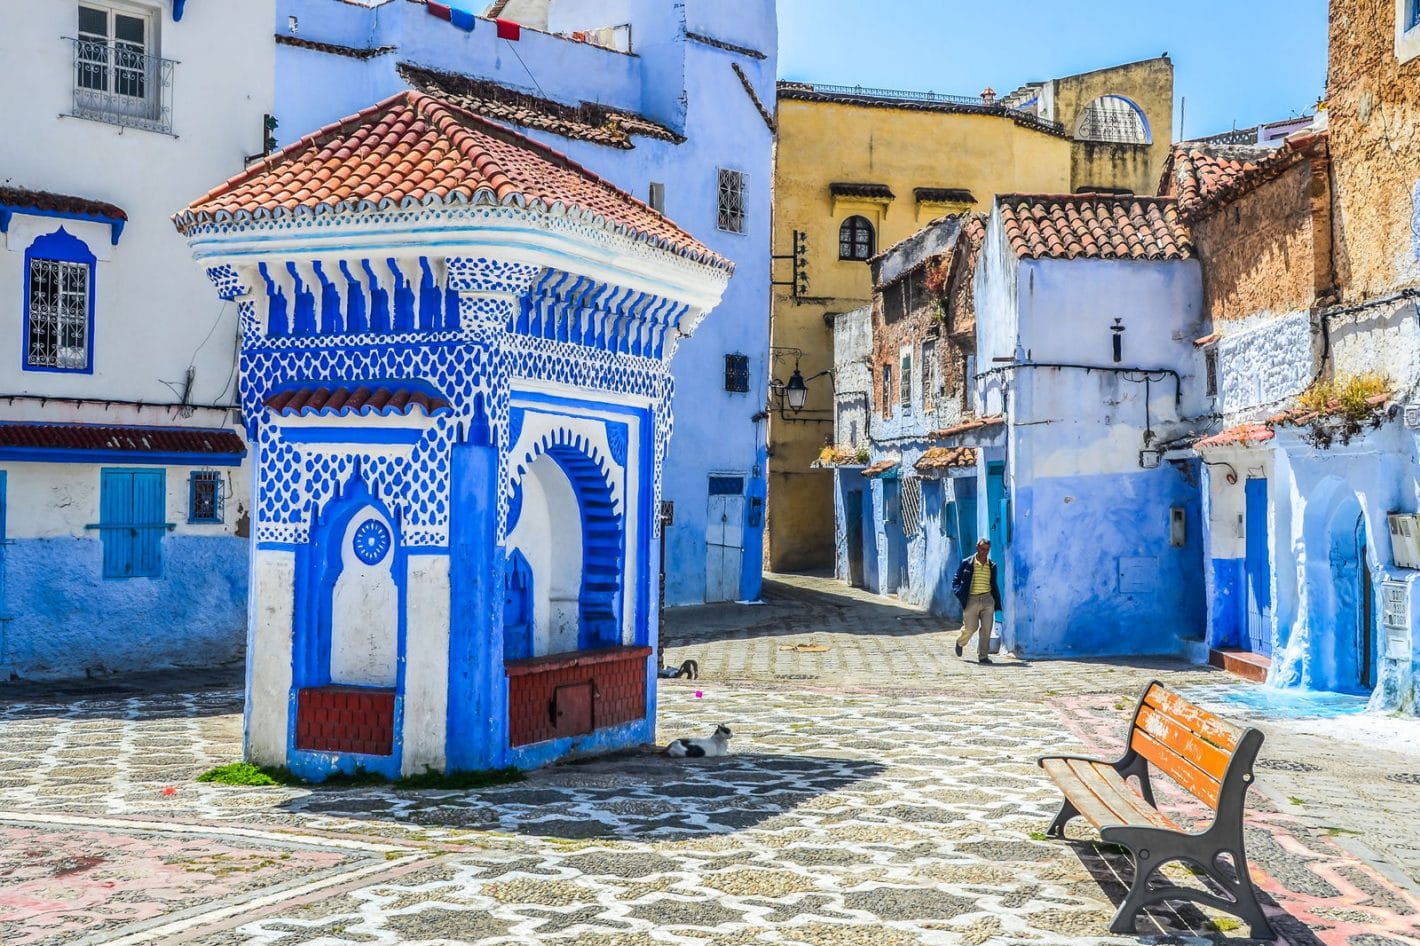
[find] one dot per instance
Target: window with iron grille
(118, 75)
(1210, 368)
(1113, 118)
(887, 390)
(910, 498)
(59, 296)
(855, 239)
(737, 373)
(732, 201)
(204, 496)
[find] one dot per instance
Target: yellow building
(857, 170)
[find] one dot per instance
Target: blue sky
(1236, 61)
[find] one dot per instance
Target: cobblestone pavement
(882, 793)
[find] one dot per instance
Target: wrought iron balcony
(120, 84)
(970, 102)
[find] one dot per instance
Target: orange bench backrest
(1186, 742)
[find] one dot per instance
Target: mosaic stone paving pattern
(909, 813)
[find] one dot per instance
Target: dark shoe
(958, 650)
(983, 660)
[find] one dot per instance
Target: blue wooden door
(1257, 572)
(965, 488)
(996, 510)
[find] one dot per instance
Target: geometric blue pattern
(492, 322)
(371, 542)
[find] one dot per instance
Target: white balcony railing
(120, 84)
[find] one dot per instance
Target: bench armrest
(1082, 758)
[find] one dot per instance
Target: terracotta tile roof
(1294, 416)
(1254, 433)
(872, 191)
(721, 44)
(586, 122)
(945, 458)
(759, 105)
(383, 398)
(1204, 177)
(349, 52)
(19, 198)
(115, 439)
(1094, 226)
(1207, 340)
(415, 150)
(943, 195)
(1196, 173)
(879, 468)
(994, 420)
(1242, 435)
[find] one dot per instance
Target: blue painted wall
(67, 621)
(1068, 537)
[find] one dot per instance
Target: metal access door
(853, 535)
(724, 538)
(1257, 572)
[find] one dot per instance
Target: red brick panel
(345, 719)
(618, 680)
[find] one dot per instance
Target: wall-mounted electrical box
(1178, 527)
(1404, 539)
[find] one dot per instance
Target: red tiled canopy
(413, 150)
(334, 398)
(20, 198)
(214, 442)
(1095, 226)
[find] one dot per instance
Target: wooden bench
(1208, 757)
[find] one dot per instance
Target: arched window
(59, 302)
(1116, 119)
(855, 239)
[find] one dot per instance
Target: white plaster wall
(549, 534)
(155, 312)
(1264, 361)
(364, 618)
(426, 664)
(269, 642)
(996, 314)
(1384, 340)
(56, 500)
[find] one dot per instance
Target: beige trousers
(977, 618)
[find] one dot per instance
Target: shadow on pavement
(165, 694)
(1113, 869)
(792, 608)
(630, 796)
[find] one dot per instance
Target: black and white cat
(717, 745)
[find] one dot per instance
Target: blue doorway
(1257, 572)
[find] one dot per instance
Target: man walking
(975, 587)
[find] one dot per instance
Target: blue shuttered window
(132, 513)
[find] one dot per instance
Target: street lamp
(797, 391)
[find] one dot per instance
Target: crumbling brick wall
(1268, 250)
(1373, 101)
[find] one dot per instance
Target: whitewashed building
(670, 101)
(123, 501)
